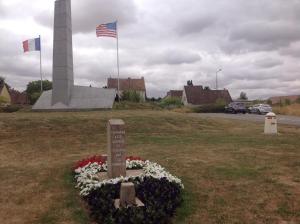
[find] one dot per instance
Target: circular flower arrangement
(155, 187)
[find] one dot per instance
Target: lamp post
(217, 78)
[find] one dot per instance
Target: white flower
(87, 181)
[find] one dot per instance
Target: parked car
(260, 109)
(236, 107)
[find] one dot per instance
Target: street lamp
(217, 78)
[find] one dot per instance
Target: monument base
(82, 98)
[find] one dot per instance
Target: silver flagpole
(41, 72)
(118, 61)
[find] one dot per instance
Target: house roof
(127, 84)
(277, 99)
(175, 93)
(196, 95)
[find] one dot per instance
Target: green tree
(269, 102)
(298, 100)
(33, 89)
(243, 96)
(131, 95)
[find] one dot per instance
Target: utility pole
(217, 77)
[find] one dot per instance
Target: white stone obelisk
(63, 77)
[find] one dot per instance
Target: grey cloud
(86, 15)
(272, 34)
(174, 57)
(268, 62)
(292, 51)
(194, 25)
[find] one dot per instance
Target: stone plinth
(127, 197)
(116, 160)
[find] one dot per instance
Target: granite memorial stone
(116, 160)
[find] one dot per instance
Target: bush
(171, 102)
(11, 109)
(209, 108)
(131, 95)
(161, 198)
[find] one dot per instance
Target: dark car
(236, 107)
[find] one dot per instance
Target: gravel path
(282, 119)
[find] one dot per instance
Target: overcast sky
(256, 43)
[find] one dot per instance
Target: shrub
(11, 108)
(160, 191)
(298, 100)
(171, 102)
(161, 198)
(131, 95)
(209, 108)
(34, 97)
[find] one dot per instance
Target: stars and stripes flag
(107, 30)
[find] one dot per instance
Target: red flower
(100, 160)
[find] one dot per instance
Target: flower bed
(155, 187)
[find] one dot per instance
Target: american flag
(107, 30)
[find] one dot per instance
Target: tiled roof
(127, 84)
(196, 95)
(175, 93)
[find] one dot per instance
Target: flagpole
(118, 61)
(41, 73)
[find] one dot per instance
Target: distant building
(4, 92)
(12, 96)
(20, 98)
(196, 95)
(128, 84)
(174, 94)
(282, 99)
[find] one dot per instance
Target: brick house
(129, 84)
(196, 95)
(282, 99)
(174, 94)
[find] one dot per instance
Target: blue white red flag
(107, 30)
(32, 45)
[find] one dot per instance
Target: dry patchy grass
(232, 172)
(293, 109)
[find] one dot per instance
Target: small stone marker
(127, 197)
(127, 194)
(116, 160)
(270, 123)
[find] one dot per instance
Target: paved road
(282, 119)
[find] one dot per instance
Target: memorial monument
(64, 95)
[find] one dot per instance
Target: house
(174, 94)
(12, 96)
(4, 92)
(283, 99)
(196, 95)
(128, 84)
(20, 98)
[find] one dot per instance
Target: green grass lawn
(232, 172)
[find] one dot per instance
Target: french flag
(32, 44)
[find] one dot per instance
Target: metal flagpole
(41, 73)
(118, 61)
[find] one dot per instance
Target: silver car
(260, 109)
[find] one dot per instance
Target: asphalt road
(281, 119)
